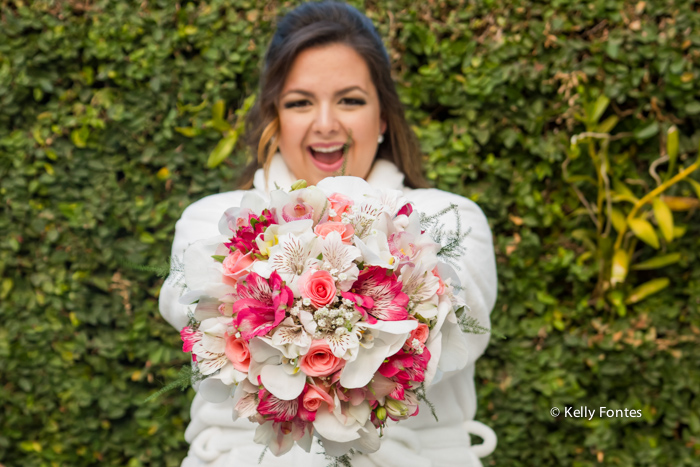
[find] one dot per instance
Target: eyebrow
(339, 93)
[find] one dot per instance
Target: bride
(326, 83)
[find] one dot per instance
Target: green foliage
(104, 142)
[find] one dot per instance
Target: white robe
(216, 440)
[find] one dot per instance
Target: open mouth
(329, 158)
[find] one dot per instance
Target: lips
(327, 157)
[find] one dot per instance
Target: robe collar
(383, 175)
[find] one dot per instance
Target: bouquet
(323, 313)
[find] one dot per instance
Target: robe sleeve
(200, 220)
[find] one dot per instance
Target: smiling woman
(328, 106)
(329, 114)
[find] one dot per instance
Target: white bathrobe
(216, 440)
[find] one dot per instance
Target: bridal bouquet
(322, 312)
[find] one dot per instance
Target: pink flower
(340, 204)
(406, 210)
(189, 337)
(247, 229)
(297, 211)
(262, 304)
(275, 409)
(346, 231)
(314, 397)
(406, 367)
(319, 360)
(421, 333)
(401, 246)
(317, 286)
(237, 265)
(238, 353)
(382, 286)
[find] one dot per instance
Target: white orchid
(279, 374)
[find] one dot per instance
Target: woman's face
(328, 101)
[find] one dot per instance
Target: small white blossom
(340, 331)
(342, 276)
(339, 321)
(306, 301)
(347, 302)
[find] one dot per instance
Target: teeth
(328, 150)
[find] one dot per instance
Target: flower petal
(282, 384)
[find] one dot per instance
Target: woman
(328, 105)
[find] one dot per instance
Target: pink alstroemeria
(247, 230)
(189, 337)
(406, 210)
(406, 367)
(262, 304)
(275, 409)
(384, 289)
(362, 304)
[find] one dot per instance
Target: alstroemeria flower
(261, 305)
(385, 290)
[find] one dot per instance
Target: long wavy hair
(318, 24)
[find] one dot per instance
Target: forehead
(327, 69)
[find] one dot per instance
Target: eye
(296, 104)
(352, 101)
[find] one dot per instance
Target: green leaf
(190, 132)
(619, 221)
(80, 137)
(696, 186)
(222, 150)
(644, 231)
(657, 262)
(599, 108)
(647, 289)
(608, 124)
(218, 122)
(219, 258)
(648, 131)
(679, 230)
(664, 218)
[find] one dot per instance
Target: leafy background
(94, 170)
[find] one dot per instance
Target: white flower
(291, 338)
(278, 374)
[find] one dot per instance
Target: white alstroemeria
(419, 284)
(343, 344)
(388, 338)
(391, 201)
(365, 218)
(375, 251)
(289, 258)
(280, 375)
(337, 256)
(292, 339)
(308, 321)
(278, 441)
(245, 403)
(271, 235)
(210, 350)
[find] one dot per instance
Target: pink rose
(340, 204)
(237, 352)
(421, 333)
(317, 286)
(314, 397)
(237, 265)
(319, 360)
(346, 231)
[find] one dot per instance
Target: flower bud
(381, 413)
(298, 185)
(395, 408)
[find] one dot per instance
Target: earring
(380, 140)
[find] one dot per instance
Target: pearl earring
(381, 138)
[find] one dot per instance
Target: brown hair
(317, 24)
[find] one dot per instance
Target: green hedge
(93, 170)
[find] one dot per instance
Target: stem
(652, 194)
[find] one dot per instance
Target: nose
(326, 121)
